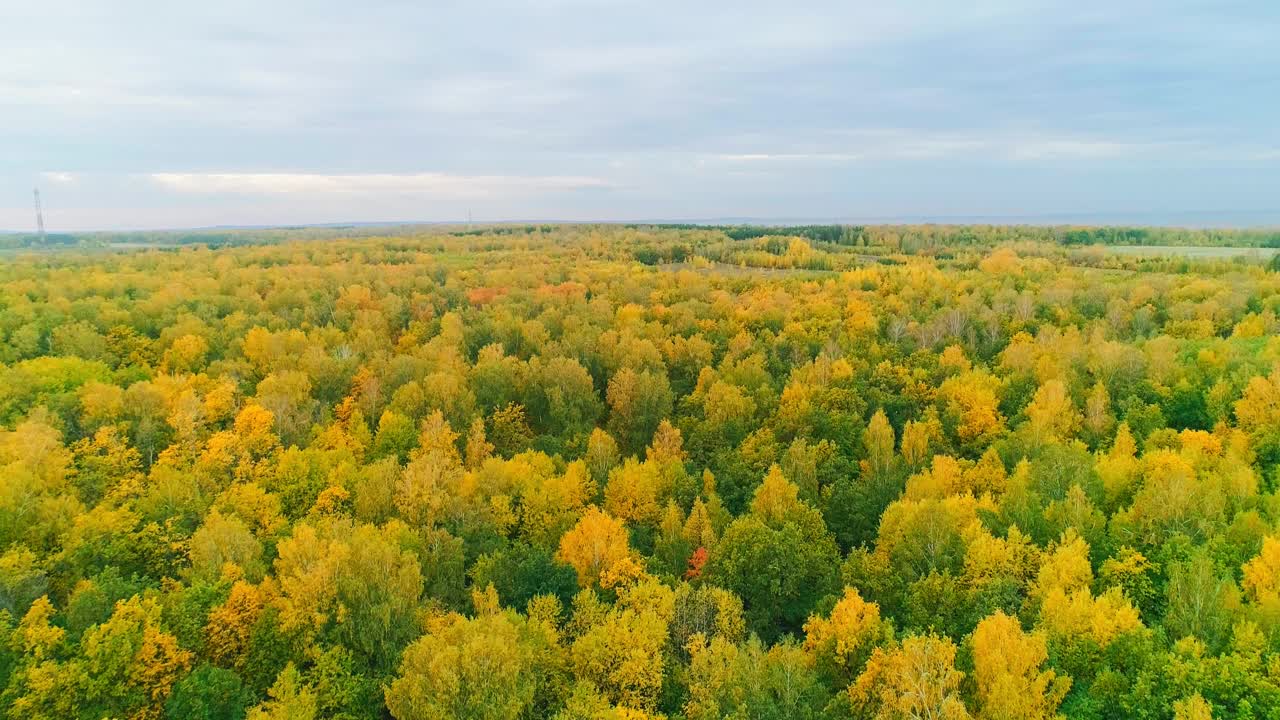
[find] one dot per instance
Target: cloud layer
(131, 114)
(433, 184)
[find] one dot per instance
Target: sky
(135, 114)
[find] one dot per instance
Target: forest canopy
(639, 472)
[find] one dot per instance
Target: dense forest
(636, 472)
(909, 238)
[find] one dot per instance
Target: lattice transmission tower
(39, 218)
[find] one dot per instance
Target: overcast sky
(142, 114)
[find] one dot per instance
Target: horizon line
(1094, 219)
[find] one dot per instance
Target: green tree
(209, 693)
(779, 559)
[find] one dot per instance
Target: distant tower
(40, 219)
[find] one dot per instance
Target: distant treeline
(903, 238)
(503, 230)
(915, 237)
(30, 239)
(213, 237)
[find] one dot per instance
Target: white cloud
(898, 144)
(438, 184)
(788, 157)
(692, 107)
(1051, 148)
(59, 178)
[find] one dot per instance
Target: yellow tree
(289, 699)
(253, 428)
(1007, 670)
(667, 445)
(245, 448)
(635, 492)
(586, 702)
(432, 477)
(230, 625)
(1078, 615)
(953, 358)
(478, 448)
(777, 499)
(306, 569)
(916, 435)
(750, 680)
(970, 406)
(186, 354)
(1066, 567)
(842, 642)
(1262, 573)
(1051, 414)
(601, 456)
(1259, 407)
(485, 668)
(130, 665)
(621, 651)
(287, 395)
(1192, 708)
(945, 477)
(916, 680)
(1119, 467)
(224, 540)
(988, 475)
(357, 583)
(598, 542)
(34, 488)
(107, 466)
(989, 559)
(1098, 420)
(879, 442)
(551, 506)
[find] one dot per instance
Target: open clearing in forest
(1194, 251)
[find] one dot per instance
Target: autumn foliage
(639, 472)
